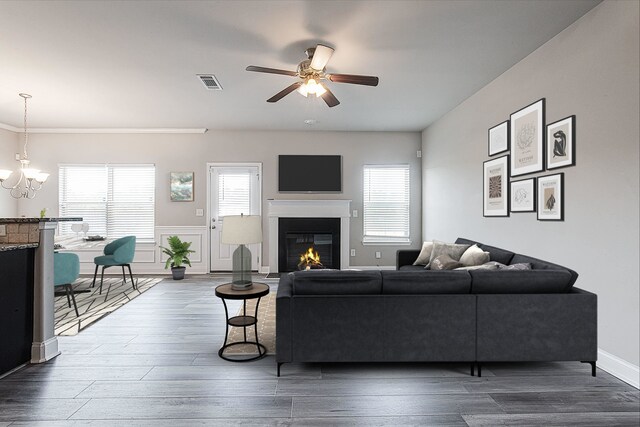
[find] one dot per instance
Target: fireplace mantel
(308, 209)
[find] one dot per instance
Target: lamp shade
(242, 229)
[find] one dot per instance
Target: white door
(234, 190)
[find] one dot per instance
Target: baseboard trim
(619, 368)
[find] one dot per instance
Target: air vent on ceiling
(210, 81)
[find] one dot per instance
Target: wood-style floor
(154, 362)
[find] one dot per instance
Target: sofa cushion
(425, 282)
(538, 264)
(474, 256)
(425, 254)
(336, 282)
(444, 262)
(411, 268)
(519, 282)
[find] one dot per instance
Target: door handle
(213, 227)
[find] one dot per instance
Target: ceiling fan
(311, 71)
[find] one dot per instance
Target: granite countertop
(5, 247)
(23, 220)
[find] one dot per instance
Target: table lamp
(241, 230)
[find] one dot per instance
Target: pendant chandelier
(30, 180)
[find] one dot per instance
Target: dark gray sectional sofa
(418, 315)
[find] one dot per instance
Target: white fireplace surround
(308, 209)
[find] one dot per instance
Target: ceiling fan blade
(278, 96)
(353, 79)
(271, 70)
(321, 56)
(330, 98)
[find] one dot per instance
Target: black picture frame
(554, 182)
(501, 131)
(500, 164)
(527, 139)
(554, 143)
(517, 203)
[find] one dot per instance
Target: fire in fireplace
(309, 238)
(310, 260)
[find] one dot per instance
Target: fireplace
(308, 209)
(315, 236)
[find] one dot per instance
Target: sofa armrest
(284, 302)
(406, 257)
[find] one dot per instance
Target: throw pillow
(445, 262)
(520, 266)
(491, 265)
(474, 256)
(454, 250)
(425, 254)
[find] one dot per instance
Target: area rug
(266, 328)
(93, 306)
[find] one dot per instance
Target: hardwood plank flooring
(154, 362)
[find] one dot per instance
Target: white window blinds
(386, 207)
(234, 193)
(116, 200)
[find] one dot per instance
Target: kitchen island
(26, 279)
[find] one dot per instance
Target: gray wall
(590, 70)
(8, 149)
(192, 152)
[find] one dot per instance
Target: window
(234, 192)
(115, 200)
(386, 204)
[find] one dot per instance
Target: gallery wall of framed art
(529, 146)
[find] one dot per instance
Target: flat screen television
(309, 174)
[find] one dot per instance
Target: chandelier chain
(26, 134)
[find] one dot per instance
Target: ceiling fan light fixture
(311, 87)
(302, 90)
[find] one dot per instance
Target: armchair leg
(131, 276)
(69, 290)
(279, 365)
(66, 290)
(124, 276)
(101, 278)
(479, 370)
(472, 369)
(95, 273)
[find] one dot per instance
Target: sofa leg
(472, 370)
(593, 368)
(279, 364)
(479, 370)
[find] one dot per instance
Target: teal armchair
(118, 253)
(66, 269)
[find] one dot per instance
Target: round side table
(224, 292)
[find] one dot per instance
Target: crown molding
(9, 128)
(107, 130)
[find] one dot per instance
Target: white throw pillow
(425, 254)
(474, 256)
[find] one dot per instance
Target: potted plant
(178, 253)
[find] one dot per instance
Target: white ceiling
(102, 64)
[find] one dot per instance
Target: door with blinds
(234, 190)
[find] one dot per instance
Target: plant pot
(178, 272)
